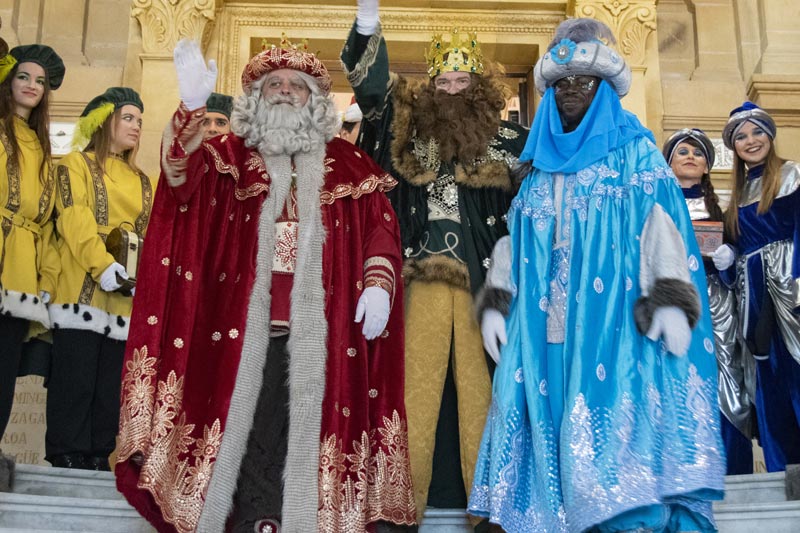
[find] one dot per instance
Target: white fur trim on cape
(87, 317)
(307, 346)
(24, 305)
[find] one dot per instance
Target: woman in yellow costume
(29, 263)
(99, 188)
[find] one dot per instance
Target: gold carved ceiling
(510, 32)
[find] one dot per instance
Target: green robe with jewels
(436, 202)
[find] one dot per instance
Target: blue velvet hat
(747, 112)
(690, 133)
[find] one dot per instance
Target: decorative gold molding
(165, 22)
(239, 22)
(632, 21)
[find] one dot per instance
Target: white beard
(278, 125)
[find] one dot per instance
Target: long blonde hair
(100, 143)
(39, 121)
(770, 185)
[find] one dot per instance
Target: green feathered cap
(220, 103)
(99, 109)
(119, 96)
(44, 56)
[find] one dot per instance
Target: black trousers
(83, 393)
(12, 334)
(259, 491)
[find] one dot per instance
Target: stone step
(70, 482)
(445, 521)
(27, 512)
(772, 517)
(755, 488)
(47, 499)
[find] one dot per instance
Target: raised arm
(366, 62)
(184, 134)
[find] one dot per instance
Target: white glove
(671, 323)
(45, 296)
(723, 257)
(373, 307)
(195, 81)
(108, 279)
(493, 329)
(367, 17)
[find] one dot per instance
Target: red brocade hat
(286, 55)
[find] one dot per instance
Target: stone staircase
(49, 500)
(758, 503)
(46, 499)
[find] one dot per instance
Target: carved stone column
(164, 23)
(781, 37)
(632, 22)
(717, 55)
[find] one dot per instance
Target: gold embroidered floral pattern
(12, 172)
(147, 205)
(64, 187)
(371, 183)
(177, 467)
(367, 485)
(100, 192)
(254, 162)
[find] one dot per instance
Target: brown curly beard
(462, 123)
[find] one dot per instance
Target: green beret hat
(43, 56)
(220, 103)
(99, 109)
(119, 96)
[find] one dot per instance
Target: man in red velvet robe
(270, 278)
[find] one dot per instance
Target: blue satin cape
(639, 440)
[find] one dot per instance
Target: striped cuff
(379, 272)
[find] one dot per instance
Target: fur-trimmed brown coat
(389, 135)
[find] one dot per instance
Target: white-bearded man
(262, 388)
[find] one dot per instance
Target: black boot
(98, 462)
(6, 472)
(68, 460)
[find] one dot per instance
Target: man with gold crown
(604, 410)
(262, 386)
(444, 140)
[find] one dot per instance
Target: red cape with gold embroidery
(187, 330)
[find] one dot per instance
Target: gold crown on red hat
(295, 56)
(460, 55)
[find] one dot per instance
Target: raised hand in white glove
(108, 279)
(367, 17)
(671, 323)
(373, 308)
(196, 81)
(493, 329)
(45, 296)
(723, 257)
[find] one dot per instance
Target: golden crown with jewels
(460, 55)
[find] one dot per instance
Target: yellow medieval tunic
(29, 261)
(90, 203)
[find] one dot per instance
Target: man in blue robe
(603, 413)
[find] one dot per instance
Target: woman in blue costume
(604, 411)
(690, 154)
(764, 220)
